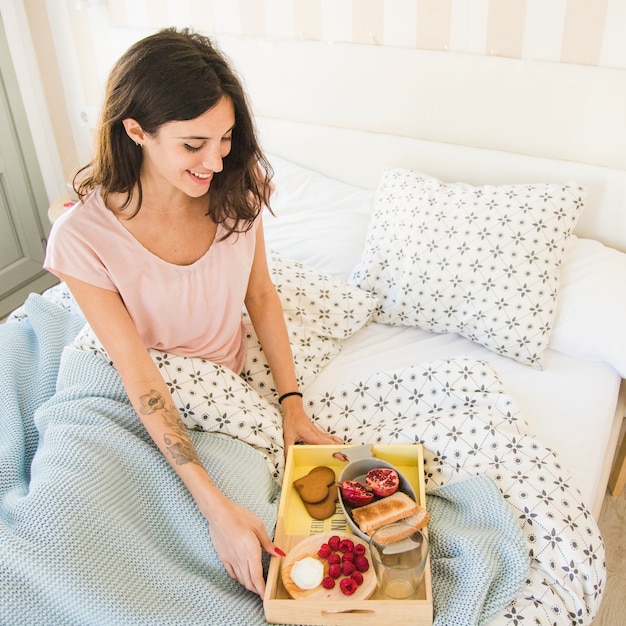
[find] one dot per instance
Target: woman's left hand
(298, 427)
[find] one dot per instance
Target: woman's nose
(213, 160)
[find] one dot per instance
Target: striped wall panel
(587, 32)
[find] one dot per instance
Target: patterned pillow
(480, 261)
(320, 312)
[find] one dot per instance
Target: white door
(22, 231)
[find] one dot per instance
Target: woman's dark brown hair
(173, 76)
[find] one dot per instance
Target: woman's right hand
(239, 537)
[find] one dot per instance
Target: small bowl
(356, 470)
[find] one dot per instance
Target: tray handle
(355, 453)
(347, 616)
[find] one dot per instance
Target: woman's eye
(229, 138)
(191, 148)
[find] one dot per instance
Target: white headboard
(349, 110)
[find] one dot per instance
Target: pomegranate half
(355, 493)
(383, 481)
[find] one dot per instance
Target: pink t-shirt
(188, 310)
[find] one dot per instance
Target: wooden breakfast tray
(294, 525)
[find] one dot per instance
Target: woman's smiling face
(187, 153)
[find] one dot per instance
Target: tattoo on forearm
(177, 441)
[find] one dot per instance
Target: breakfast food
(420, 519)
(314, 486)
(318, 492)
(345, 559)
(379, 482)
(348, 586)
(342, 556)
(397, 532)
(328, 582)
(324, 509)
(307, 573)
(355, 493)
(383, 481)
(349, 565)
(385, 511)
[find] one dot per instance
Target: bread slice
(395, 507)
(390, 534)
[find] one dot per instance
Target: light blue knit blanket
(95, 528)
(479, 559)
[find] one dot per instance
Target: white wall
(89, 35)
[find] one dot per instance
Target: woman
(166, 246)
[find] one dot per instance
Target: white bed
(570, 395)
(334, 116)
(347, 112)
(346, 128)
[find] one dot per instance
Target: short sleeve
(69, 251)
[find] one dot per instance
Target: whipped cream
(307, 573)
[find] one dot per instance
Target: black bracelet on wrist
(286, 395)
